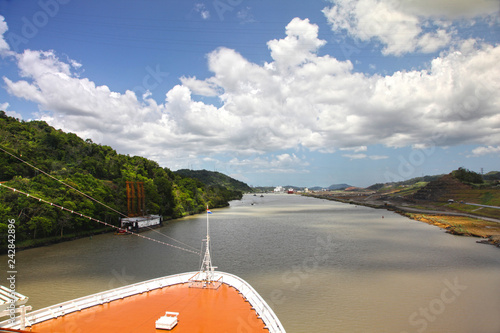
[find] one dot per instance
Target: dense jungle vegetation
(97, 170)
(215, 178)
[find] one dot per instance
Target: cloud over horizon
(4, 46)
(407, 26)
(298, 101)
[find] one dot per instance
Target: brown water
(323, 266)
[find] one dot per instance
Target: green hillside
(492, 176)
(412, 183)
(462, 186)
(213, 178)
(96, 170)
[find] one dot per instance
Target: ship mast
(207, 269)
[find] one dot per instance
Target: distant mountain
(492, 175)
(409, 182)
(338, 187)
(334, 187)
(319, 188)
(295, 188)
(316, 188)
(213, 178)
(376, 187)
(263, 188)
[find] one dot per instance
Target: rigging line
(175, 240)
(201, 251)
(88, 196)
(45, 173)
(99, 221)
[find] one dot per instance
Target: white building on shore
(279, 189)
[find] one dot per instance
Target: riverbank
(488, 229)
(46, 241)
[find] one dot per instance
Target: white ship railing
(262, 309)
(260, 306)
(7, 296)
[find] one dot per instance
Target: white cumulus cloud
(202, 10)
(299, 100)
(4, 47)
(298, 47)
(5, 106)
(355, 156)
(489, 150)
(405, 26)
(282, 163)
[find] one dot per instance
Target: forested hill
(96, 170)
(215, 178)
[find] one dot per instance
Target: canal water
(323, 266)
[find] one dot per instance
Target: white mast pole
(209, 259)
(207, 267)
(208, 231)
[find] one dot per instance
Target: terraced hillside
(438, 193)
(442, 189)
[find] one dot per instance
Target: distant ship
(203, 301)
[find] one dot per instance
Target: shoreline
(460, 224)
(47, 241)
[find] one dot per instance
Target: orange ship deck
(200, 310)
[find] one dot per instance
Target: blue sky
(306, 93)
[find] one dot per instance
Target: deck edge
(262, 309)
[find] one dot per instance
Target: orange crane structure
(136, 203)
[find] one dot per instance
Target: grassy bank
(464, 226)
(488, 231)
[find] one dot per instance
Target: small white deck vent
(168, 321)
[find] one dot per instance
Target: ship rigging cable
(97, 201)
(93, 219)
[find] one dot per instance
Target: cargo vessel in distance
(202, 301)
